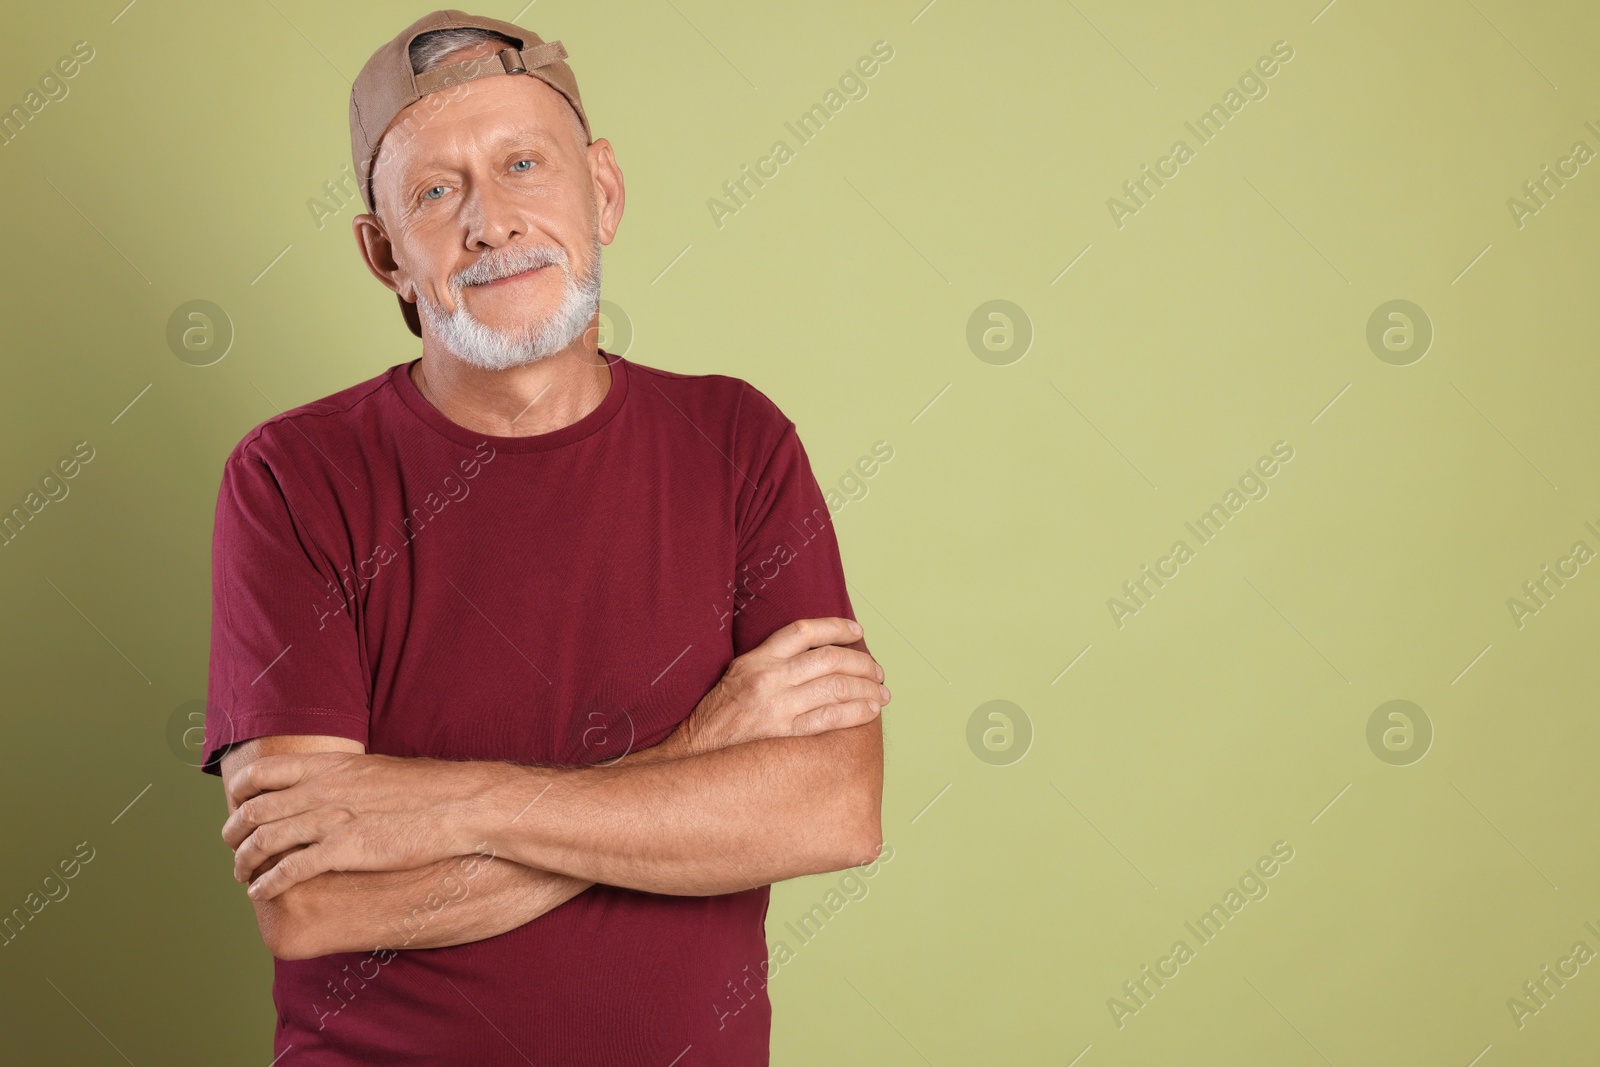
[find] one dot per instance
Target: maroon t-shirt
(384, 574)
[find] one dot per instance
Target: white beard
(481, 345)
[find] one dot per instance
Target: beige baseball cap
(386, 86)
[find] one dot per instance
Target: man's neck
(535, 398)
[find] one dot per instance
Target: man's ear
(377, 252)
(609, 190)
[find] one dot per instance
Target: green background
(1229, 313)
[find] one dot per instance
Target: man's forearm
(450, 902)
(720, 822)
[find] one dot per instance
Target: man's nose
(496, 215)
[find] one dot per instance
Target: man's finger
(269, 840)
(835, 717)
(838, 689)
(291, 870)
(832, 659)
(260, 810)
(272, 861)
(267, 772)
(804, 634)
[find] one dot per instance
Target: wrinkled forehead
(473, 116)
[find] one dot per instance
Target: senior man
(532, 667)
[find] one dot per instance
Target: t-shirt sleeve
(788, 558)
(285, 657)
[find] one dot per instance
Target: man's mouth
(524, 276)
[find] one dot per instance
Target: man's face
(489, 204)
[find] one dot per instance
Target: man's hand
(353, 812)
(799, 681)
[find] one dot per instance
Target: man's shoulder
(706, 387)
(298, 429)
(723, 400)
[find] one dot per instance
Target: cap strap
(506, 61)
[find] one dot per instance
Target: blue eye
(427, 195)
(520, 162)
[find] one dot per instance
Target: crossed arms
(778, 772)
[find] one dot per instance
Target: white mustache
(523, 259)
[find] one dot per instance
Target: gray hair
(431, 49)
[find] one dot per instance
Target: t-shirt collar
(419, 405)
